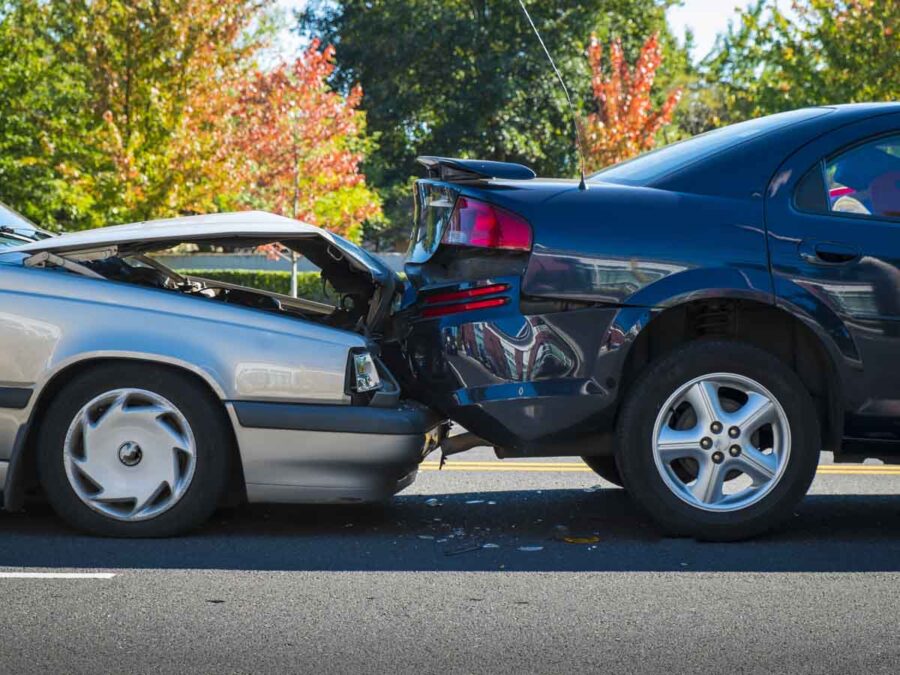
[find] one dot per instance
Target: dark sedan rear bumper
(527, 383)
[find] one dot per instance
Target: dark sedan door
(833, 218)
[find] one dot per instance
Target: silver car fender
(51, 321)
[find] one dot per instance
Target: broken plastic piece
(581, 540)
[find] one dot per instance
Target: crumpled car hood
(247, 225)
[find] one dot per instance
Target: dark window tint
(810, 194)
(865, 180)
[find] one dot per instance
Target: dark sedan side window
(863, 181)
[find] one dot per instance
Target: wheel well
(24, 471)
(761, 325)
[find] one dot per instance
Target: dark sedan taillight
(453, 302)
(482, 225)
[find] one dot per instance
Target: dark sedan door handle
(828, 253)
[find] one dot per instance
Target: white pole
(293, 274)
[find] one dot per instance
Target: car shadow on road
(536, 530)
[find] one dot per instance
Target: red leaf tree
(302, 144)
(625, 123)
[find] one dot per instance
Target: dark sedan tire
(606, 468)
(133, 450)
(718, 440)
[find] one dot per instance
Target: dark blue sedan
(696, 323)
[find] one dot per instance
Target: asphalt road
(469, 571)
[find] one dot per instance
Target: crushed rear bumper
(526, 383)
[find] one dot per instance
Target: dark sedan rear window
(646, 168)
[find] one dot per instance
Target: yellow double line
(858, 469)
(578, 467)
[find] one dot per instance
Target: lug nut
(706, 443)
(734, 432)
(734, 451)
(716, 427)
(718, 457)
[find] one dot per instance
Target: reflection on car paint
(531, 352)
(604, 279)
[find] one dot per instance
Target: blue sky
(705, 17)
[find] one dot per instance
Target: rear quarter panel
(646, 247)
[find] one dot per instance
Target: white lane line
(56, 575)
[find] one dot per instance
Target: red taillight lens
(476, 292)
(475, 223)
(444, 310)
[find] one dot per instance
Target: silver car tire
(134, 450)
(718, 440)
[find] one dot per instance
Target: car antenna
(582, 185)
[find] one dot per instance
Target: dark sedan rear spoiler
(459, 170)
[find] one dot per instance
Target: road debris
(466, 548)
(581, 540)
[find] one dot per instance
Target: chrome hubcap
(721, 442)
(130, 454)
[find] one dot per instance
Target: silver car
(139, 399)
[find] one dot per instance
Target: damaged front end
(364, 286)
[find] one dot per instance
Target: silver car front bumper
(297, 453)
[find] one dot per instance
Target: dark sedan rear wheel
(131, 450)
(606, 468)
(718, 440)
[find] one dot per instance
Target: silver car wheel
(721, 442)
(130, 454)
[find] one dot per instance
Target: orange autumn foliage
(283, 140)
(302, 144)
(149, 64)
(625, 123)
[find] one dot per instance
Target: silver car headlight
(363, 373)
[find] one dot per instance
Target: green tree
(45, 165)
(824, 51)
(124, 110)
(146, 63)
(467, 77)
(96, 97)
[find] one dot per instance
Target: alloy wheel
(721, 442)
